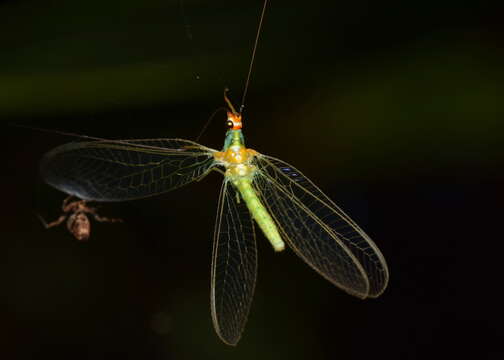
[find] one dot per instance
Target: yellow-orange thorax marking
(237, 160)
(235, 155)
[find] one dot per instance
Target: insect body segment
(259, 212)
(240, 171)
(234, 121)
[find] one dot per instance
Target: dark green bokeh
(393, 108)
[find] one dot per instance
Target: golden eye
(229, 124)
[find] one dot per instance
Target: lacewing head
(234, 121)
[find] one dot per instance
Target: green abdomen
(259, 213)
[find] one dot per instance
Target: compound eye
(229, 124)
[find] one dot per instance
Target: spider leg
(106, 219)
(53, 223)
(66, 201)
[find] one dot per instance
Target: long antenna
(209, 121)
(131, 142)
(242, 105)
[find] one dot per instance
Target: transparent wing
(234, 266)
(319, 231)
(123, 170)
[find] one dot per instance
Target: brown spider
(78, 223)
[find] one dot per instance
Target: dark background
(393, 108)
